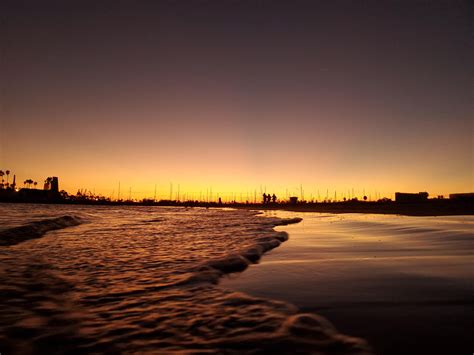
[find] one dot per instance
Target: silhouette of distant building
(54, 184)
(411, 197)
(464, 196)
(293, 200)
(51, 184)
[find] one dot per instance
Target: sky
(238, 97)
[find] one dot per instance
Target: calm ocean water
(143, 279)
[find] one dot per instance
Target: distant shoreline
(436, 208)
(433, 207)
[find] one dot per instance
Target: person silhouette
(274, 198)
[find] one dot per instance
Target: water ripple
(143, 279)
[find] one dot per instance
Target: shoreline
(428, 208)
(433, 207)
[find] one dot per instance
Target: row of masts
(250, 196)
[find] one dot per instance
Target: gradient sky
(337, 95)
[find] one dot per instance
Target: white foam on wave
(211, 270)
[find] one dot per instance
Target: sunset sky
(238, 96)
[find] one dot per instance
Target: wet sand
(403, 283)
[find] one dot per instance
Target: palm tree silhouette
(1, 174)
(8, 173)
(28, 183)
(35, 183)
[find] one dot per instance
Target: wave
(251, 324)
(212, 270)
(124, 293)
(37, 229)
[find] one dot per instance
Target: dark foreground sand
(403, 283)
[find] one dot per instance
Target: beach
(403, 283)
(138, 278)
